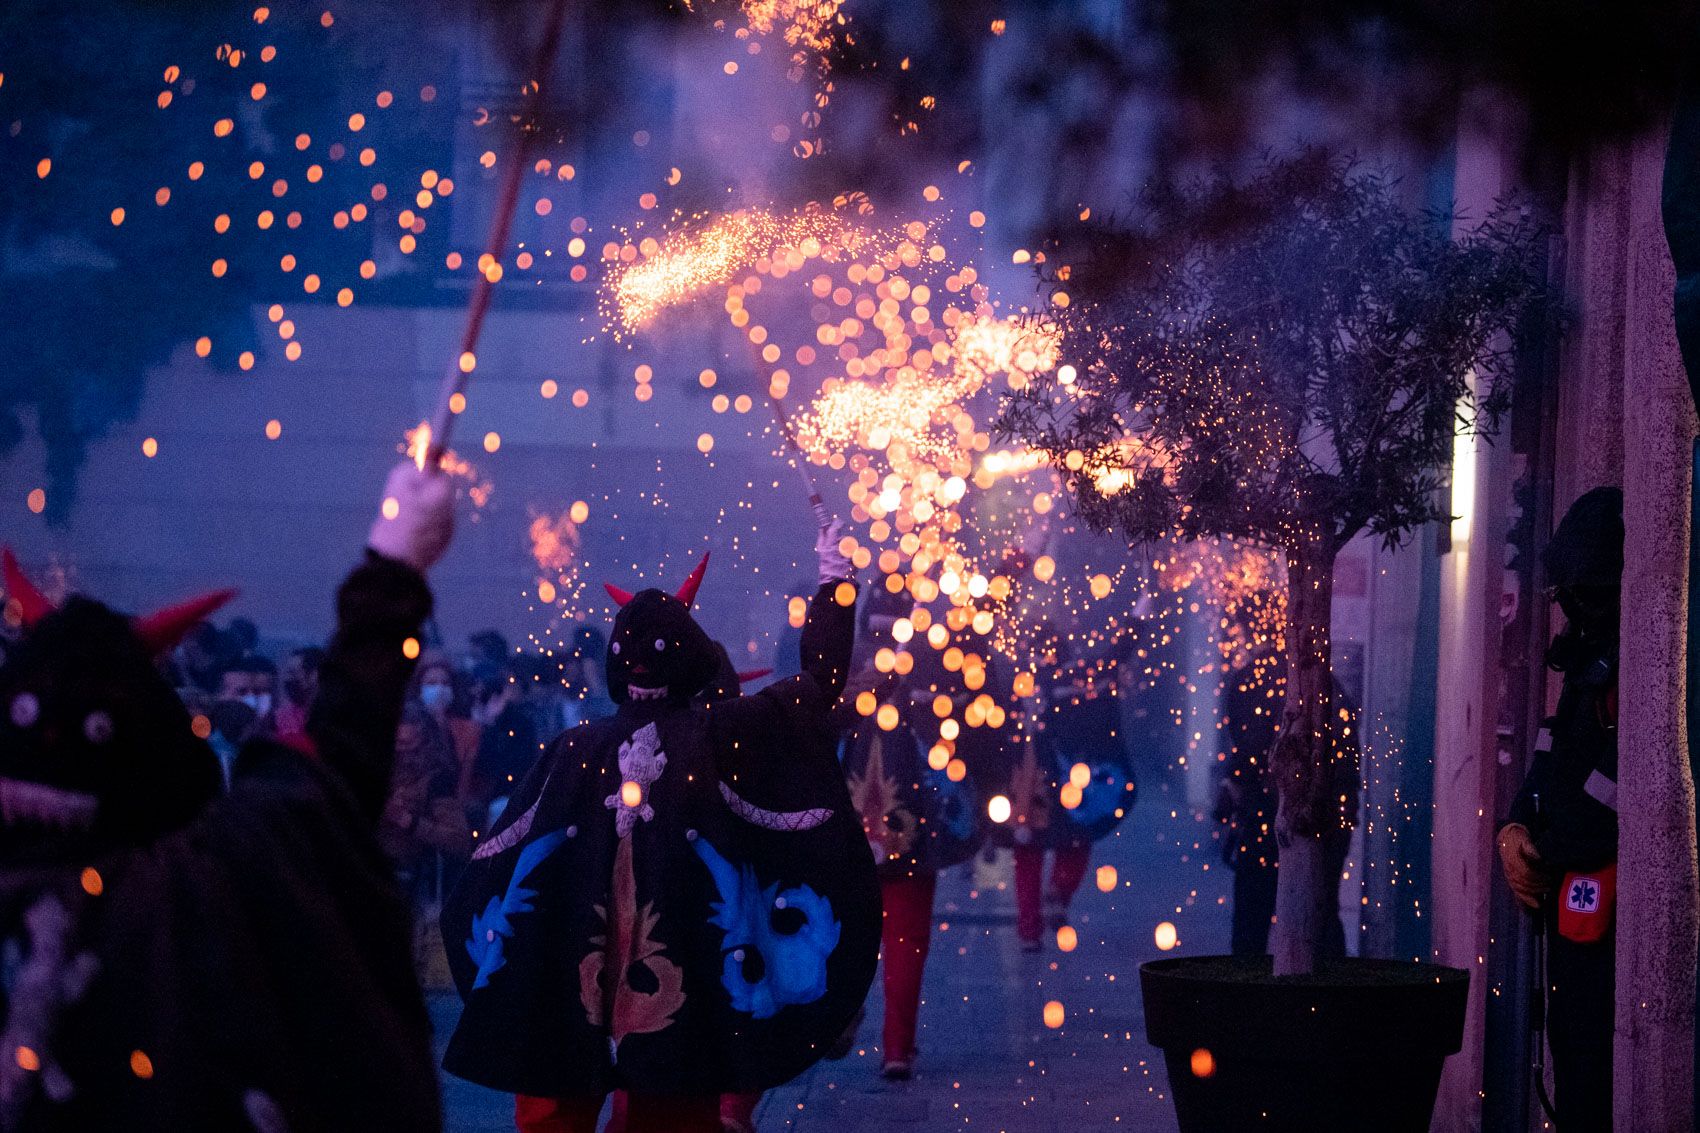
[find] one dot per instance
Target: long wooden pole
(459, 372)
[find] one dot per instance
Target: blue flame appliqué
(492, 928)
(794, 963)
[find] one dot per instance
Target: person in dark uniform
(1559, 847)
(1066, 774)
(678, 900)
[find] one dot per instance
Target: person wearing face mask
(1559, 847)
(438, 694)
(424, 830)
(242, 710)
(252, 680)
(300, 680)
(421, 814)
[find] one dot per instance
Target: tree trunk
(1307, 767)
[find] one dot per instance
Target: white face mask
(260, 702)
(436, 697)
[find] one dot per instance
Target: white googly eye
(615, 649)
(97, 727)
(660, 645)
(26, 710)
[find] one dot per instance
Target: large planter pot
(1358, 1045)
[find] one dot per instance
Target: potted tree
(1287, 360)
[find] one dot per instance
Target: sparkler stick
(436, 438)
(822, 516)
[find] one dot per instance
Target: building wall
(1467, 696)
(1658, 890)
(1623, 417)
(222, 504)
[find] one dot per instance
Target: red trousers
(638, 1114)
(739, 1109)
(1068, 868)
(904, 937)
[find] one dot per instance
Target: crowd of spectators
(474, 722)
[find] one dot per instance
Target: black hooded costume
(677, 900)
(177, 958)
(916, 817)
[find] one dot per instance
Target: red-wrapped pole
(455, 381)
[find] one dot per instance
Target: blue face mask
(437, 698)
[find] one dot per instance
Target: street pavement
(988, 1061)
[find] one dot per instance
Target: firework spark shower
(802, 565)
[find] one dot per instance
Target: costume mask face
(657, 651)
(95, 747)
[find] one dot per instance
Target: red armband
(1587, 904)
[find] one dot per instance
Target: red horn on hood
(621, 597)
(163, 629)
(745, 676)
(688, 592)
(33, 604)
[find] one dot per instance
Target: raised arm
(380, 606)
(829, 634)
(829, 638)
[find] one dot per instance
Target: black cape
(1083, 726)
(916, 818)
(255, 966)
(719, 943)
(1032, 760)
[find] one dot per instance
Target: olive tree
(1293, 382)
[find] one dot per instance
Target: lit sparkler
(417, 444)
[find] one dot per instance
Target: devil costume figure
(678, 901)
(185, 959)
(917, 808)
(917, 817)
(1080, 726)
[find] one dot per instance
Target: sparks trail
(912, 408)
(809, 27)
(654, 276)
(417, 443)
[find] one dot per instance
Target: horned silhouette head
(95, 746)
(657, 651)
